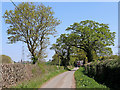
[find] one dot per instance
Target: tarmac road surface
(64, 80)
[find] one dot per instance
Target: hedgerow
(83, 81)
(107, 72)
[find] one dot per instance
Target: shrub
(5, 59)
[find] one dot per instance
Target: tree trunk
(68, 55)
(65, 67)
(34, 58)
(89, 56)
(84, 61)
(65, 64)
(62, 61)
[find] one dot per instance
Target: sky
(68, 13)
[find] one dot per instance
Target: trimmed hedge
(107, 72)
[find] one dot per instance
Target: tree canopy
(32, 25)
(88, 40)
(63, 49)
(91, 36)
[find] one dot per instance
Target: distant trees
(65, 52)
(32, 25)
(5, 59)
(56, 60)
(63, 48)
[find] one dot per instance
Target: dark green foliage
(65, 53)
(63, 49)
(107, 72)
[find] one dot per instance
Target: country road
(64, 80)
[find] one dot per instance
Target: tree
(56, 59)
(32, 25)
(77, 55)
(63, 49)
(91, 36)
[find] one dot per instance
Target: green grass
(83, 81)
(38, 81)
(42, 73)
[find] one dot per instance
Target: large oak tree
(91, 36)
(31, 24)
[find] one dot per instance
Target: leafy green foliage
(56, 60)
(32, 25)
(83, 81)
(91, 36)
(63, 49)
(106, 71)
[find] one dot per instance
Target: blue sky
(68, 13)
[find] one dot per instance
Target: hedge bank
(107, 72)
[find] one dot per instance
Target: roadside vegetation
(47, 72)
(105, 71)
(86, 41)
(83, 81)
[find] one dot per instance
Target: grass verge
(83, 81)
(38, 81)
